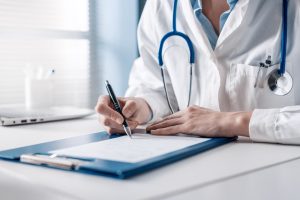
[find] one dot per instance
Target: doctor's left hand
(203, 122)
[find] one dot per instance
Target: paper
(124, 149)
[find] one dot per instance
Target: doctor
(234, 70)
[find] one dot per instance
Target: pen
(117, 106)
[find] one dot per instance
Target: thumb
(130, 108)
(122, 101)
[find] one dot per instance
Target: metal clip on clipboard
(54, 160)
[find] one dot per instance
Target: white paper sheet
(124, 149)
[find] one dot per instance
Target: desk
(193, 173)
(277, 182)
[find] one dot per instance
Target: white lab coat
(223, 78)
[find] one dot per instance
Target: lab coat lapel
(196, 30)
(234, 21)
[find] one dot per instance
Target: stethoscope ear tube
(166, 91)
(165, 88)
(190, 85)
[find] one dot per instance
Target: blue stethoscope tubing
(279, 73)
(175, 33)
(160, 55)
(280, 82)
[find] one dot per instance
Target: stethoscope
(279, 81)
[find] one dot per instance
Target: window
(49, 33)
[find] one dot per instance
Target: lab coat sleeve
(145, 78)
(276, 125)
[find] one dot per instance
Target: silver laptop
(11, 115)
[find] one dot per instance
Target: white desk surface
(277, 182)
(206, 169)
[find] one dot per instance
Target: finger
(172, 130)
(114, 130)
(103, 108)
(122, 101)
(166, 123)
(173, 116)
(103, 99)
(129, 109)
(107, 122)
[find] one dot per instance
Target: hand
(203, 122)
(135, 110)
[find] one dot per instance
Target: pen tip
(106, 82)
(128, 132)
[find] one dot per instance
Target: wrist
(237, 123)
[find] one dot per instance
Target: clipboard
(39, 155)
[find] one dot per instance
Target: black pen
(117, 106)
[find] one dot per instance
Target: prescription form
(140, 147)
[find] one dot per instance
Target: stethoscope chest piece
(280, 85)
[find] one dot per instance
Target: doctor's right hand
(135, 110)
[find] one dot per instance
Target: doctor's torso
(224, 77)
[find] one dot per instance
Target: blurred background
(85, 41)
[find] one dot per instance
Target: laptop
(11, 115)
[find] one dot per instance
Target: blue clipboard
(39, 155)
